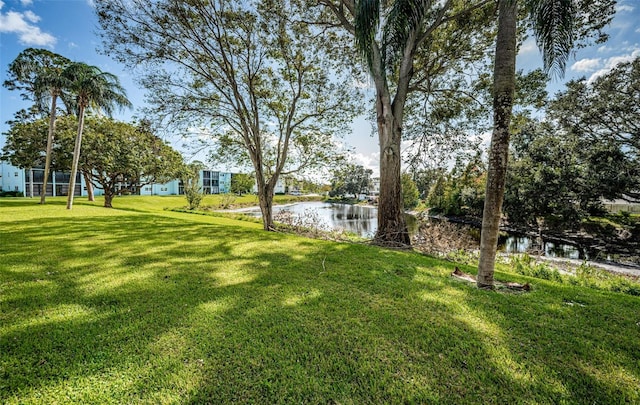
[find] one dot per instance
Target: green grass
(139, 304)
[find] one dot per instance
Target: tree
(190, 177)
(26, 142)
(252, 76)
(410, 193)
(606, 112)
(351, 179)
(116, 153)
(40, 73)
(549, 180)
(556, 25)
(241, 183)
(461, 191)
(404, 44)
(95, 89)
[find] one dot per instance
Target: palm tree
(390, 36)
(94, 89)
(556, 24)
(40, 73)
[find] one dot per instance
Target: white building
(29, 182)
(11, 178)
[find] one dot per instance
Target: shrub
(194, 195)
(11, 194)
(526, 266)
(227, 201)
(446, 240)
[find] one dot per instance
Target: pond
(357, 219)
(363, 221)
(515, 243)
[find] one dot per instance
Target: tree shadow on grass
(153, 309)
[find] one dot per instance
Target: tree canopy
(606, 111)
(351, 179)
(411, 46)
(241, 183)
(91, 89)
(114, 153)
(117, 153)
(253, 76)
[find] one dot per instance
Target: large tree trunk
(76, 158)
(87, 181)
(392, 227)
(503, 89)
(265, 197)
(47, 161)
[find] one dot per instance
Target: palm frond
(404, 19)
(554, 26)
(367, 20)
(95, 88)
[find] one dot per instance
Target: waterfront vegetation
(142, 304)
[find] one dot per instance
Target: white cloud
(624, 8)
(613, 62)
(1, 4)
(26, 3)
(528, 46)
(370, 161)
(29, 15)
(586, 65)
(21, 25)
(91, 3)
(604, 49)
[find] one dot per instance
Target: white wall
(12, 178)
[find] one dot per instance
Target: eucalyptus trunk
(265, 198)
(503, 90)
(392, 226)
(47, 159)
(76, 158)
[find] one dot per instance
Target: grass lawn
(137, 304)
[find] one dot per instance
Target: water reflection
(358, 219)
(363, 221)
(521, 244)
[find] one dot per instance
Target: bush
(227, 201)
(446, 240)
(526, 266)
(194, 196)
(11, 194)
(588, 276)
(585, 276)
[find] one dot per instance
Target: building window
(16, 175)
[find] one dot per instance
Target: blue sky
(68, 27)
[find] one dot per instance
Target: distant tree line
(586, 149)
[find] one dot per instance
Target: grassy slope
(141, 305)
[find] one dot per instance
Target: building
(30, 183)
(11, 178)
(375, 186)
(279, 188)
